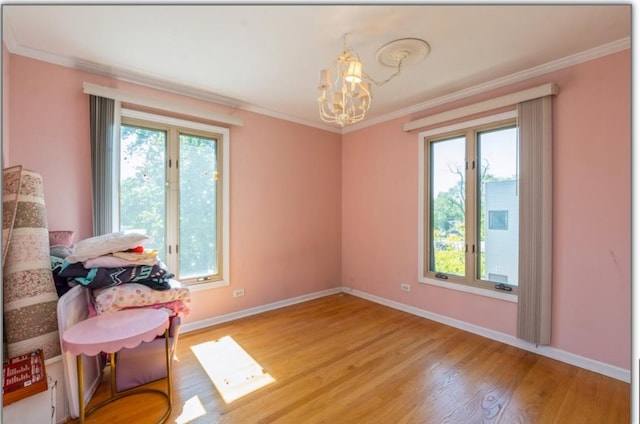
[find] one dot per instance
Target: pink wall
(592, 222)
(311, 210)
(285, 185)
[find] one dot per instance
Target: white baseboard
(550, 352)
(197, 325)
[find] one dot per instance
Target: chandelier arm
(347, 49)
(381, 83)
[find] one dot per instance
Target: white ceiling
(267, 58)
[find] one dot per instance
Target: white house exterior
(501, 236)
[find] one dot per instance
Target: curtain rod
(124, 96)
(498, 102)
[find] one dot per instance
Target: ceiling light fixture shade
(350, 90)
(354, 73)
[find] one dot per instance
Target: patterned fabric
(155, 276)
(134, 295)
(30, 297)
(10, 188)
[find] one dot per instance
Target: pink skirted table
(111, 332)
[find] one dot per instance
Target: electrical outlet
(405, 287)
(238, 293)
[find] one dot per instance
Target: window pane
(498, 220)
(447, 206)
(142, 183)
(498, 185)
(198, 205)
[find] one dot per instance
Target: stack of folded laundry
(121, 272)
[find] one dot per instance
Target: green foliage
(450, 261)
(447, 210)
(198, 205)
(448, 225)
(449, 255)
(143, 194)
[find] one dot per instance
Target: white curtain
(535, 270)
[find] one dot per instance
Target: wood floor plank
(343, 359)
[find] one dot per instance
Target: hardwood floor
(343, 359)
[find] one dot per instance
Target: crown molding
(151, 82)
(8, 36)
(119, 73)
(565, 62)
(293, 119)
(155, 82)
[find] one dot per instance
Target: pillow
(106, 243)
(61, 238)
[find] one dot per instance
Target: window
(498, 220)
(469, 203)
(531, 142)
(174, 186)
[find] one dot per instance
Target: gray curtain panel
(535, 271)
(103, 154)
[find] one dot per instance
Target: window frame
(175, 127)
(469, 283)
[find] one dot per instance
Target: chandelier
(346, 88)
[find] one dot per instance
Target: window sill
(496, 294)
(194, 287)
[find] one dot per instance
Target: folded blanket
(137, 255)
(132, 295)
(112, 260)
(153, 276)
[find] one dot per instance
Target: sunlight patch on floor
(231, 369)
(191, 410)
